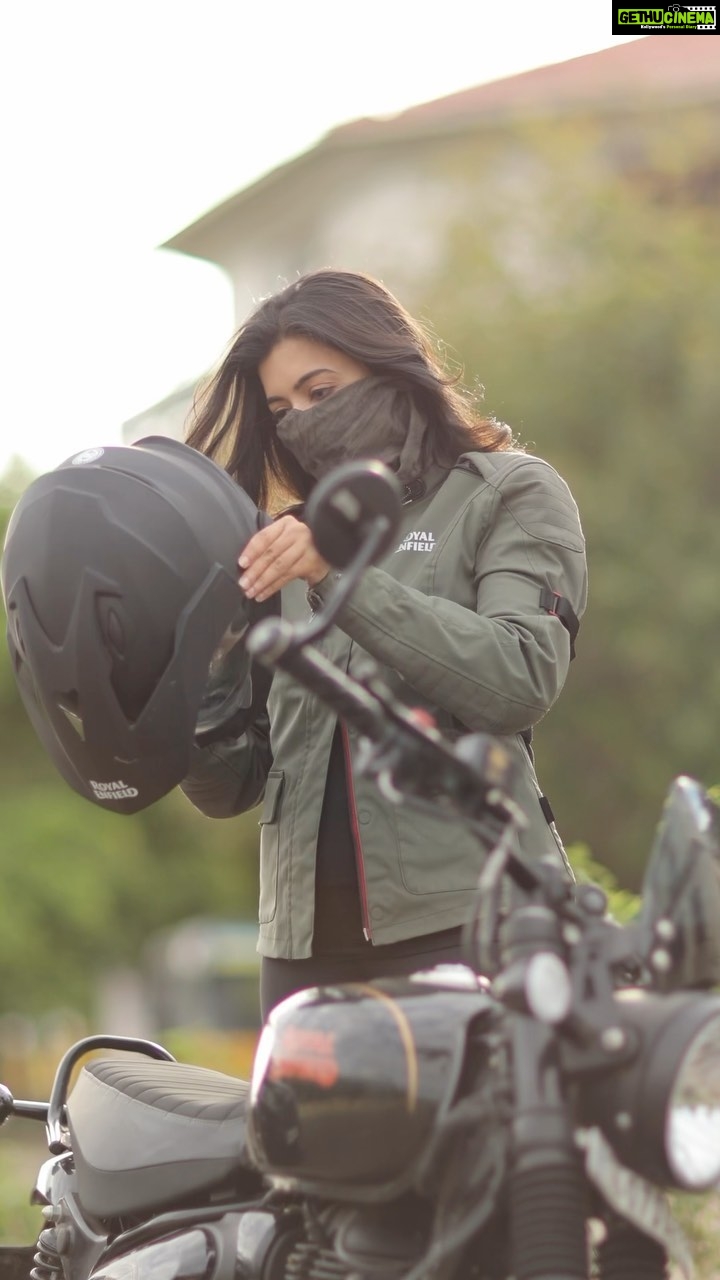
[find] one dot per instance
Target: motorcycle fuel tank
(348, 1080)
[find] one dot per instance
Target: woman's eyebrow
(300, 382)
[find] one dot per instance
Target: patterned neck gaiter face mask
(367, 419)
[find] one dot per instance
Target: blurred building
(380, 195)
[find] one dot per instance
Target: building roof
(650, 67)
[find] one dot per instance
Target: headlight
(692, 1125)
(661, 1112)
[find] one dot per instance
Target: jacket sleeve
(499, 667)
(228, 778)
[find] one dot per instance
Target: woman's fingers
(276, 555)
(271, 577)
(267, 541)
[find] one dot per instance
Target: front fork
(547, 1188)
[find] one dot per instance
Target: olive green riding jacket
(454, 617)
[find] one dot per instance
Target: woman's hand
(278, 554)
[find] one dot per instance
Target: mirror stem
(305, 633)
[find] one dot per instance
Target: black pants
(281, 978)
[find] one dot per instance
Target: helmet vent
(111, 624)
(14, 624)
(68, 704)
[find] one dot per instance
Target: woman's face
(299, 373)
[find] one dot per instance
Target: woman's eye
(321, 393)
(278, 414)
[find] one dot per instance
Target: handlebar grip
(273, 642)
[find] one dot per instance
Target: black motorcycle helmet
(125, 617)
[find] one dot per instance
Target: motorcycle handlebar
(275, 643)
(474, 776)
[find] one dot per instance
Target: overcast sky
(123, 123)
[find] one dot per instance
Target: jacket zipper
(355, 830)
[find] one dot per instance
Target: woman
(471, 617)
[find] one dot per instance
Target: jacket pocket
(270, 845)
(437, 856)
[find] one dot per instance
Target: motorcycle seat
(147, 1134)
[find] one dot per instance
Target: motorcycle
(519, 1116)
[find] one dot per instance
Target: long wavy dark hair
(354, 313)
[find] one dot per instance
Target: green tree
(582, 287)
(15, 478)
